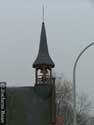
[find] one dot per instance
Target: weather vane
(43, 12)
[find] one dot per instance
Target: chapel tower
(44, 81)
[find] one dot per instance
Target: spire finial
(43, 12)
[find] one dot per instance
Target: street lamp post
(74, 83)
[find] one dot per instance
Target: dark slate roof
(29, 105)
(43, 57)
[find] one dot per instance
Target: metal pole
(74, 83)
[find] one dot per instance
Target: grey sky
(69, 26)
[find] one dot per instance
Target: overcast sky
(69, 27)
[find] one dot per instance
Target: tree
(64, 102)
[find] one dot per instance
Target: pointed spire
(43, 57)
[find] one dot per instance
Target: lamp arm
(74, 82)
